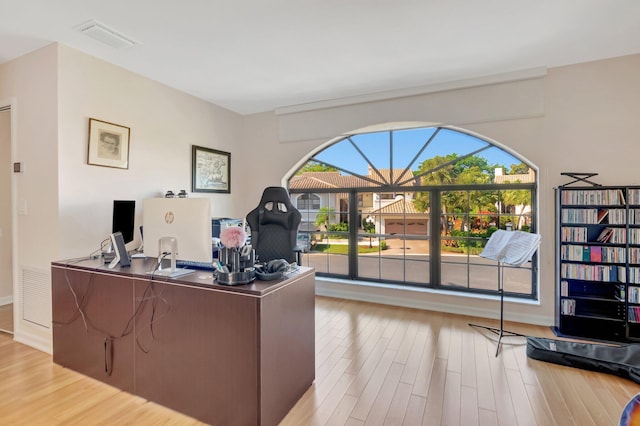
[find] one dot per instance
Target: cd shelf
(598, 262)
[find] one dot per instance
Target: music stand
(513, 248)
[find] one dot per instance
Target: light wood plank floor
(375, 365)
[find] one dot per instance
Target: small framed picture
(108, 144)
(210, 170)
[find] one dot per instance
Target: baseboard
(36, 342)
(405, 299)
(6, 300)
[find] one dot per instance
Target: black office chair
(274, 227)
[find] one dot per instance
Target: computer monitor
(228, 223)
(216, 226)
(188, 220)
(121, 254)
(124, 216)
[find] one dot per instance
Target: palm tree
(323, 217)
(431, 172)
(515, 198)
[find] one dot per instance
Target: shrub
(333, 230)
(339, 227)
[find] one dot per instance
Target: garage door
(413, 226)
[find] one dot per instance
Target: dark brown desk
(225, 355)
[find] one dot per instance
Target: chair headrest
(276, 194)
(275, 207)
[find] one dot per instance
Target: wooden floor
(375, 365)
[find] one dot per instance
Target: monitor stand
(164, 251)
(178, 272)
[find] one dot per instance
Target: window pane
(343, 155)
(407, 144)
(446, 147)
(392, 268)
(471, 217)
(338, 264)
(497, 156)
(369, 266)
(454, 270)
(518, 280)
(417, 268)
(377, 149)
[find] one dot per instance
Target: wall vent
(105, 34)
(36, 296)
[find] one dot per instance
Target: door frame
(11, 104)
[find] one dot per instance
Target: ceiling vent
(105, 34)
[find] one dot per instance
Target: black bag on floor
(619, 360)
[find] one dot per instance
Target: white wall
(266, 161)
(69, 203)
(31, 82)
(587, 121)
(164, 124)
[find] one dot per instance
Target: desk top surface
(140, 268)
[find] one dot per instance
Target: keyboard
(190, 264)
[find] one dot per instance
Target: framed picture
(108, 144)
(210, 170)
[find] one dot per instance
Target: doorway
(6, 229)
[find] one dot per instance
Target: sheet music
(511, 247)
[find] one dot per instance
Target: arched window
(308, 202)
(415, 206)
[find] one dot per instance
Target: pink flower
(233, 237)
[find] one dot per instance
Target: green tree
(513, 198)
(464, 171)
(518, 169)
(323, 218)
(435, 171)
(314, 166)
(478, 165)
(441, 176)
(479, 199)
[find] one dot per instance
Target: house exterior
(394, 213)
(401, 217)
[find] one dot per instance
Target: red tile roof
(401, 206)
(313, 180)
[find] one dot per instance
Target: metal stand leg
(500, 332)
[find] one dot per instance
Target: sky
(407, 144)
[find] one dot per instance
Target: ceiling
(258, 55)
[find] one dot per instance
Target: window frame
(397, 185)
